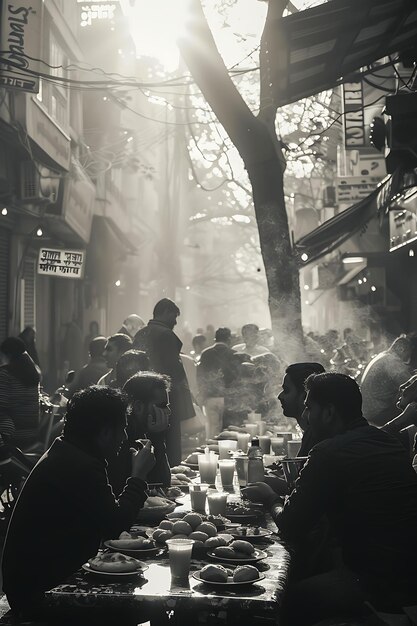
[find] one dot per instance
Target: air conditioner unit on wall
(38, 184)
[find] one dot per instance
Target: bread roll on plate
(114, 562)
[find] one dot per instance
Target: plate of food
(155, 509)
(114, 564)
(191, 461)
(252, 533)
(133, 545)
(191, 526)
(239, 512)
(219, 576)
(238, 551)
(183, 473)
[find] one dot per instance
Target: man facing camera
(67, 507)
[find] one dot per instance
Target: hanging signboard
(61, 263)
(353, 115)
(20, 36)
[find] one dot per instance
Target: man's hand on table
(142, 461)
(260, 492)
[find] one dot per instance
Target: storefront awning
(310, 51)
(335, 231)
(352, 273)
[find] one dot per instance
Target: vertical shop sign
(20, 37)
(353, 115)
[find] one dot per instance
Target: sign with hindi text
(61, 263)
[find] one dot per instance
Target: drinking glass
(265, 444)
(217, 502)
(293, 447)
(227, 471)
(243, 440)
(207, 465)
(179, 557)
(198, 496)
(252, 429)
(242, 463)
(225, 445)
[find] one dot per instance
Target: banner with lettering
(61, 263)
(20, 37)
(353, 115)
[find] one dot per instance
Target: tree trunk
(259, 148)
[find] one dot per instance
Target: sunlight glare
(155, 27)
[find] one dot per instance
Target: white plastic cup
(293, 447)
(242, 463)
(179, 551)
(252, 429)
(225, 445)
(217, 503)
(227, 471)
(198, 497)
(243, 440)
(277, 446)
(262, 427)
(207, 465)
(265, 444)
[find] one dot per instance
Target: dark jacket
(65, 509)
(363, 481)
(163, 349)
(88, 375)
(215, 371)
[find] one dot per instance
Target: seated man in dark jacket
(362, 479)
(67, 506)
(148, 418)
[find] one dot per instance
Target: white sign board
(61, 263)
(20, 36)
(350, 189)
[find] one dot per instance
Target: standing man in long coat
(163, 348)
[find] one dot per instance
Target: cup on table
(225, 445)
(207, 465)
(293, 448)
(278, 446)
(254, 418)
(242, 463)
(265, 444)
(179, 551)
(227, 471)
(198, 496)
(217, 502)
(243, 440)
(262, 427)
(252, 429)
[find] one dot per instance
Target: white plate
(263, 532)
(229, 583)
(256, 556)
(138, 552)
(141, 568)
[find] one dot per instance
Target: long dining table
(156, 596)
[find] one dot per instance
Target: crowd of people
(350, 519)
